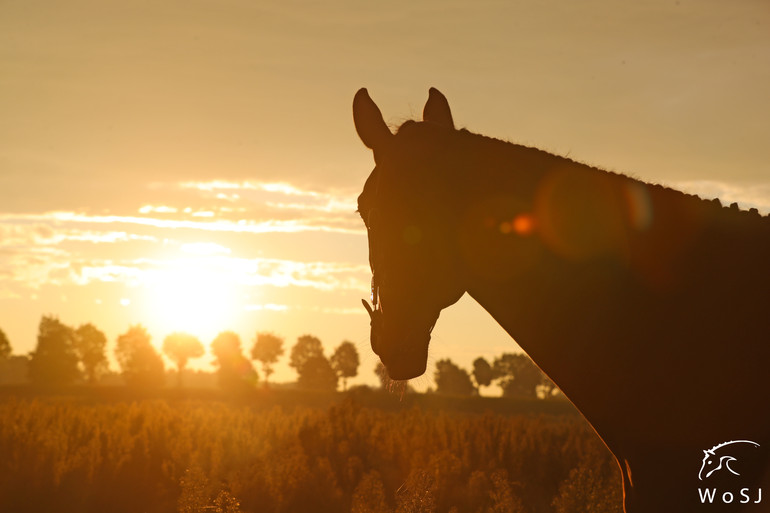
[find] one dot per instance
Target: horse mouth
(407, 366)
(403, 352)
(404, 357)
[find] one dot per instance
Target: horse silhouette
(648, 307)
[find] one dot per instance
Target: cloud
(323, 224)
(747, 196)
(84, 273)
(326, 276)
(325, 309)
(204, 248)
(268, 306)
(323, 276)
(36, 248)
(33, 267)
(21, 235)
(36, 254)
(278, 195)
(339, 310)
(157, 209)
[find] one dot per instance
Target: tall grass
(148, 455)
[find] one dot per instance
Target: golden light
(195, 294)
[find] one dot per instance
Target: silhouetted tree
(482, 372)
(5, 346)
(317, 373)
(345, 362)
(307, 346)
(547, 387)
(141, 364)
(382, 374)
(235, 371)
(451, 379)
(181, 347)
(307, 358)
(90, 344)
(517, 375)
(14, 369)
(54, 361)
(267, 349)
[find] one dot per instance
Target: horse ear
(371, 128)
(437, 109)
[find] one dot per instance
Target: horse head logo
(715, 459)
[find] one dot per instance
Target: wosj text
(743, 496)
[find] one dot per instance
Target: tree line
(65, 355)
(515, 374)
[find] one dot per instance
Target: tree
(317, 373)
(451, 379)
(517, 375)
(266, 349)
(180, 347)
(482, 372)
(345, 362)
(54, 361)
(307, 346)
(382, 374)
(235, 371)
(547, 387)
(90, 344)
(141, 364)
(5, 346)
(313, 369)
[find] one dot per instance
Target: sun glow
(196, 295)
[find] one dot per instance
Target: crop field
(281, 452)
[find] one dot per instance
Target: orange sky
(193, 165)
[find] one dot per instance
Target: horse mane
(503, 152)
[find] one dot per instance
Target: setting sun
(196, 294)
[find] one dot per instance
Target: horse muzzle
(404, 352)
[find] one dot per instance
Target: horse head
(406, 210)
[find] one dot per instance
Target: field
(287, 451)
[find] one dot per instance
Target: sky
(192, 165)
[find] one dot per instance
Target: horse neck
(587, 286)
(535, 280)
